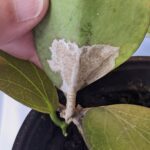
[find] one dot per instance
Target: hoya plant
(78, 42)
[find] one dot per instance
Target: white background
(12, 114)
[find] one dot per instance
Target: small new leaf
(117, 127)
(29, 85)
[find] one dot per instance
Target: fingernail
(28, 9)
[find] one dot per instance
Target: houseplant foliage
(68, 42)
(29, 85)
(111, 30)
(117, 127)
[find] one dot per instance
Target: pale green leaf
(117, 127)
(119, 23)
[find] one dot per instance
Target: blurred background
(12, 113)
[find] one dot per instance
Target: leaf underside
(119, 23)
(27, 84)
(117, 127)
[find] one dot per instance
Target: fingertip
(31, 20)
(20, 18)
(23, 48)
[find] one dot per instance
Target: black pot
(130, 83)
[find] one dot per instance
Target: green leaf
(117, 127)
(119, 23)
(29, 85)
(149, 30)
(26, 83)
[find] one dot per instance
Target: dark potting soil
(39, 133)
(129, 84)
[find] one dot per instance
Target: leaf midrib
(46, 96)
(40, 81)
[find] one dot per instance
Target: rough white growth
(79, 67)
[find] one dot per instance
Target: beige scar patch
(79, 67)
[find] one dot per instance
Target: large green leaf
(117, 127)
(28, 84)
(119, 23)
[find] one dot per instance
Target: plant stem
(70, 106)
(59, 123)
